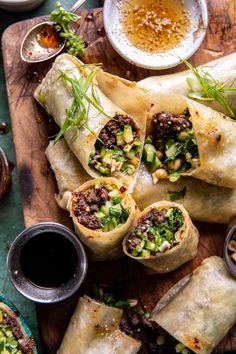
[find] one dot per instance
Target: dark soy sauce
(48, 260)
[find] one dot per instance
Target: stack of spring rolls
(120, 204)
(105, 120)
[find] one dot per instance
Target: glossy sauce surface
(154, 25)
(48, 260)
(48, 37)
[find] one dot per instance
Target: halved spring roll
(163, 239)
(204, 307)
(106, 140)
(222, 70)
(219, 202)
(94, 329)
(15, 337)
(102, 212)
(187, 138)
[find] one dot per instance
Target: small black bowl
(47, 263)
(230, 263)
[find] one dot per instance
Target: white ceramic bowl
(156, 61)
(19, 5)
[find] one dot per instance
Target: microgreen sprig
(62, 20)
(176, 195)
(210, 88)
(78, 113)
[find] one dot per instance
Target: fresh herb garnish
(211, 89)
(176, 195)
(109, 299)
(77, 114)
(63, 20)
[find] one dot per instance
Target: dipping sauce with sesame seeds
(155, 25)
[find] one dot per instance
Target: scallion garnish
(63, 19)
(210, 88)
(77, 114)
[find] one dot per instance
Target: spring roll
(222, 70)
(68, 171)
(204, 308)
(15, 336)
(106, 140)
(189, 139)
(163, 239)
(102, 212)
(219, 202)
(94, 329)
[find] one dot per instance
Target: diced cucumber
(131, 154)
(114, 222)
(104, 170)
(116, 210)
(116, 200)
(120, 139)
(130, 169)
(169, 212)
(148, 140)
(12, 343)
(149, 152)
(128, 134)
(134, 253)
(103, 152)
(150, 245)
(105, 210)
(145, 253)
(140, 246)
(137, 145)
(107, 158)
(99, 215)
(153, 166)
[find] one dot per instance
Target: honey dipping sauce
(154, 25)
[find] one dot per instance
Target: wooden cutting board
(31, 130)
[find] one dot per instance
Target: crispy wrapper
(105, 245)
(56, 97)
(215, 137)
(222, 69)
(186, 249)
(203, 304)
(219, 202)
(94, 329)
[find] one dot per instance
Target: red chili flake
(122, 189)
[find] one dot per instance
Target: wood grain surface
(31, 129)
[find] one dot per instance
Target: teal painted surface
(11, 219)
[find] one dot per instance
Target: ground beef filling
(171, 149)
(142, 329)
(87, 203)
(26, 344)
(100, 208)
(155, 232)
(114, 126)
(118, 147)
